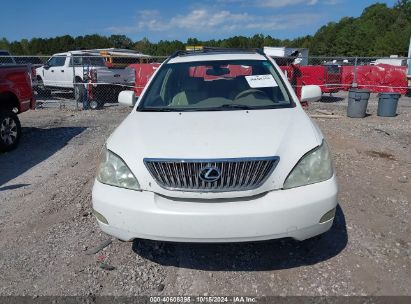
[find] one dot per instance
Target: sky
(176, 19)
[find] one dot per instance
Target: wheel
(41, 89)
(10, 131)
(79, 92)
(95, 105)
(99, 97)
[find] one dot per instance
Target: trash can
(387, 104)
(357, 103)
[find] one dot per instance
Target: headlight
(113, 171)
(316, 166)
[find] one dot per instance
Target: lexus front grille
(211, 175)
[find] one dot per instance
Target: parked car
(16, 96)
(225, 154)
(72, 70)
(32, 62)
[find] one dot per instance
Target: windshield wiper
(228, 106)
(241, 107)
(158, 110)
(234, 106)
(222, 107)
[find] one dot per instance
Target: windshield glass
(216, 85)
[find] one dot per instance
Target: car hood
(287, 133)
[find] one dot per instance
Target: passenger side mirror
(310, 93)
(46, 66)
(127, 98)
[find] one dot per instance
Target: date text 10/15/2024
(202, 299)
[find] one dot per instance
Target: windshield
(216, 85)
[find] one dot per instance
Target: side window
(56, 61)
(77, 60)
(60, 61)
(52, 61)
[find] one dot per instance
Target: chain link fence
(336, 76)
(88, 81)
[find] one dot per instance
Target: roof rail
(208, 50)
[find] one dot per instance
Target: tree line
(379, 31)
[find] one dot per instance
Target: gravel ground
(46, 229)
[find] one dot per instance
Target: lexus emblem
(210, 174)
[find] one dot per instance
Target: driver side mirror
(127, 98)
(310, 93)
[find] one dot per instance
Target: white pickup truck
(71, 70)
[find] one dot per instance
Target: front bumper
(294, 213)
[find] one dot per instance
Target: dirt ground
(46, 227)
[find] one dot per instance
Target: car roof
(216, 57)
(71, 52)
(82, 52)
(216, 54)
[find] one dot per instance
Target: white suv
(216, 149)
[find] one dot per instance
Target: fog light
(328, 216)
(100, 217)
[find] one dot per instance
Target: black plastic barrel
(387, 104)
(357, 103)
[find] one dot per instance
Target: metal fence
(338, 75)
(85, 81)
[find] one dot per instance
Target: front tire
(10, 131)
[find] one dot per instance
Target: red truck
(16, 96)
